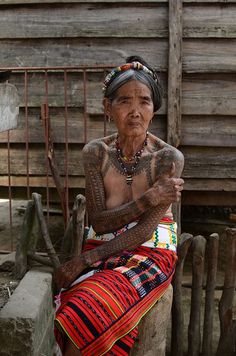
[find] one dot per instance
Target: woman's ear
(107, 107)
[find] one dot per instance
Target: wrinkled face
(131, 109)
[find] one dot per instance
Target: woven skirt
(100, 312)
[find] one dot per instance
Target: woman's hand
(168, 188)
(68, 272)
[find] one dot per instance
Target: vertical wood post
(227, 340)
(212, 257)
(194, 334)
(177, 333)
(174, 73)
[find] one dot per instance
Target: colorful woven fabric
(100, 313)
(164, 236)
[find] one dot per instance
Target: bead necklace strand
(136, 158)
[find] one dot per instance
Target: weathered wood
(209, 94)
(226, 185)
(227, 340)
(44, 230)
(198, 131)
(78, 216)
(212, 257)
(27, 240)
(202, 94)
(209, 162)
(175, 73)
(85, 51)
(40, 259)
(194, 333)
(198, 56)
(9, 109)
(153, 327)
(74, 182)
(202, 162)
(209, 56)
(75, 129)
(177, 331)
(73, 238)
(85, 20)
(209, 198)
(10, 2)
(208, 21)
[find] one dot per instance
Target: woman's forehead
(134, 87)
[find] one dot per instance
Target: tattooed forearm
(130, 239)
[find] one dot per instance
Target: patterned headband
(123, 68)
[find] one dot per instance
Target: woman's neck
(130, 145)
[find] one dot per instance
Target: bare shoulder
(96, 149)
(165, 155)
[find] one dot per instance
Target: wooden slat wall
(61, 33)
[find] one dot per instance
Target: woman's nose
(134, 111)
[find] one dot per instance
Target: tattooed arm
(104, 220)
(134, 237)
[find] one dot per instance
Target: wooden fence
(191, 43)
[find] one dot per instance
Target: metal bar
(62, 68)
(105, 118)
(85, 106)
(9, 186)
(46, 141)
(26, 132)
(66, 145)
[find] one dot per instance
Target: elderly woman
(132, 177)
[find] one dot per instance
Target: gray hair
(132, 74)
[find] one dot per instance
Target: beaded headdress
(125, 67)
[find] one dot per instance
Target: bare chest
(122, 187)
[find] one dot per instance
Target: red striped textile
(101, 313)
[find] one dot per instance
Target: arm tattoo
(104, 220)
(130, 239)
(148, 220)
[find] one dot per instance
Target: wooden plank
(209, 162)
(174, 73)
(12, 2)
(37, 161)
(85, 51)
(203, 130)
(209, 55)
(85, 20)
(209, 21)
(224, 185)
(39, 181)
(203, 162)
(9, 109)
(56, 92)
(209, 94)
(20, 2)
(197, 185)
(75, 130)
(209, 198)
(212, 94)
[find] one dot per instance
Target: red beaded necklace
(129, 172)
